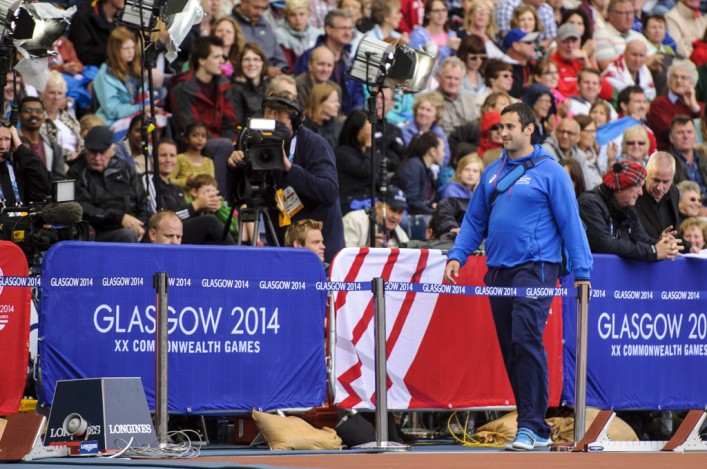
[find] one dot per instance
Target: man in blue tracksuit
(525, 227)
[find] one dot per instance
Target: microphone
(62, 214)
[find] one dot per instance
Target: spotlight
(380, 63)
(36, 26)
(143, 14)
(33, 26)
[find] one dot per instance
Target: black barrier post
(381, 374)
(580, 372)
(161, 349)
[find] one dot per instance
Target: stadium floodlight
(381, 63)
(143, 14)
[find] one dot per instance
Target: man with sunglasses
(23, 176)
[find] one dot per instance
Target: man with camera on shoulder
(307, 175)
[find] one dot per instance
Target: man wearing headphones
(308, 171)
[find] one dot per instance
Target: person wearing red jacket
(204, 95)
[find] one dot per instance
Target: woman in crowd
(525, 17)
(250, 80)
(434, 35)
(415, 176)
(322, 112)
(588, 144)
(694, 231)
(690, 200)
(479, 20)
(233, 39)
(60, 123)
(473, 53)
(466, 178)
(578, 18)
(353, 162)
(118, 85)
(498, 76)
(427, 113)
(386, 16)
(574, 169)
(635, 145)
(539, 97)
(547, 73)
(296, 35)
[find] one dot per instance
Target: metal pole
(381, 366)
(381, 373)
(580, 374)
(332, 343)
(161, 349)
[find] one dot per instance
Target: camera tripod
(251, 214)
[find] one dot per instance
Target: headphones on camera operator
(275, 101)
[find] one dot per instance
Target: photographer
(308, 168)
(25, 179)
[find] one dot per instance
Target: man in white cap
(389, 213)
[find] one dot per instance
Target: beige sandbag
(504, 429)
(294, 433)
(3, 422)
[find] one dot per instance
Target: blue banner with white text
(246, 325)
(647, 335)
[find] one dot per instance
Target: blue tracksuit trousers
(520, 322)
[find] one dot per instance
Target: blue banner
(647, 335)
(246, 325)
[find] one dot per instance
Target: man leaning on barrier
(613, 226)
(524, 206)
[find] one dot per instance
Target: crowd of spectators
(609, 82)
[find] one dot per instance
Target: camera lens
(267, 156)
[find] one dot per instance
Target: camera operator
(308, 167)
(23, 176)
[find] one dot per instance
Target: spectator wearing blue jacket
(526, 227)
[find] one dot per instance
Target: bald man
(165, 228)
(630, 69)
(562, 144)
(319, 70)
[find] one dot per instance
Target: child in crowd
(204, 186)
(465, 179)
(193, 162)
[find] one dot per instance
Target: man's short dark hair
(333, 14)
(590, 70)
(525, 113)
(624, 96)
(201, 49)
(654, 16)
(30, 99)
(680, 119)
